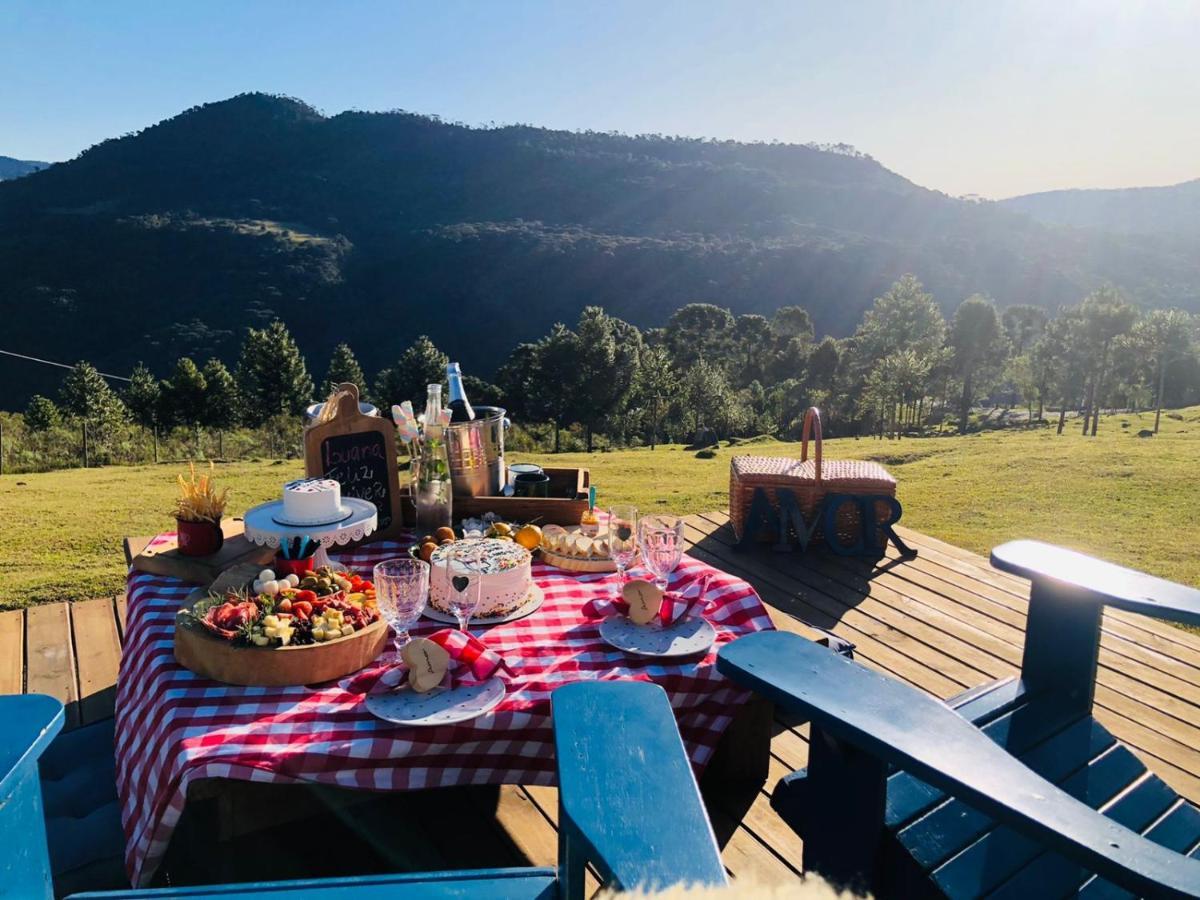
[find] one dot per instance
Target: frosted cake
(312, 501)
(504, 568)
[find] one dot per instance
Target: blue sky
(992, 98)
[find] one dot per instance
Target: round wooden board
(575, 564)
(211, 657)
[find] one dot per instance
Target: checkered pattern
(173, 727)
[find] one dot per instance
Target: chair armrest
(626, 789)
(1098, 581)
(906, 727)
(28, 723)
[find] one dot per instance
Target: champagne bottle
(460, 406)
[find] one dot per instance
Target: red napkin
(471, 662)
(676, 605)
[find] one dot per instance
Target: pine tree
(271, 376)
(41, 414)
(86, 397)
(609, 350)
(343, 367)
(143, 396)
(184, 394)
(222, 409)
(421, 365)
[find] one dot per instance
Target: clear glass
(466, 586)
(431, 487)
(401, 590)
(660, 539)
(622, 540)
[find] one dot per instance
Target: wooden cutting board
(165, 558)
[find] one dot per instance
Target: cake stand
(263, 528)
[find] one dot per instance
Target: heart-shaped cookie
(644, 599)
(427, 664)
(460, 582)
(624, 532)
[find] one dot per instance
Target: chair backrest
(27, 726)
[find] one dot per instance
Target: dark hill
(1173, 210)
(374, 227)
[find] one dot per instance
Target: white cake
(504, 568)
(312, 501)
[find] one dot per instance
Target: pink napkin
(676, 605)
(471, 662)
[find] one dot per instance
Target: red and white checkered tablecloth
(173, 727)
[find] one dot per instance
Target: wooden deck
(944, 622)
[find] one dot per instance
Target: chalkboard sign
(359, 452)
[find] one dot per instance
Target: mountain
(375, 227)
(1173, 210)
(15, 168)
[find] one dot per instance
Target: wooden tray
(569, 489)
(165, 558)
(211, 657)
(575, 564)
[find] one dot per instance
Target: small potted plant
(198, 511)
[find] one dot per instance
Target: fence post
(1, 446)
(156, 443)
(85, 444)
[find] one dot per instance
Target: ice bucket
(476, 451)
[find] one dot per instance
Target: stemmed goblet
(463, 566)
(401, 589)
(661, 542)
(622, 540)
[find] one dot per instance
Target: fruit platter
(296, 629)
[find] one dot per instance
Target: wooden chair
(995, 792)
(628, 805)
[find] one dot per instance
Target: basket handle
(812, 426)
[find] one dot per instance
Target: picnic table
(176, 730)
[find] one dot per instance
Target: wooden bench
(1010, 790)
(636, 817)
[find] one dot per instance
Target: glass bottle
(431, 473)
(589, 522)
(460, 406)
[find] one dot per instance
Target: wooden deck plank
(979, 569)
(12, 652)
(51, 658)
(98, 657)
(1146, 708)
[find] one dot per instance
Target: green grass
(1132, 500)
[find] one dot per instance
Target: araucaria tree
(979, 348)
(419, 366)
(271, 376)
(343, 368)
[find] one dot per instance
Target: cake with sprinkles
(504, 569)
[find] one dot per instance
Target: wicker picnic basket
(809, 481)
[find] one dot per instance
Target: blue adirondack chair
(996, 792)
(628, 805)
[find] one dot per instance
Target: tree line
(708, 373)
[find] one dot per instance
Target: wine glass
(401, 588)
(463, 567)
(661, 542)
(622, 540)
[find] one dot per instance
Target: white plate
(440, 706)
(687, 637)
(536, 597)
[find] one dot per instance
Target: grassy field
(1129, 499)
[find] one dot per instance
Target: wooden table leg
(743, 753)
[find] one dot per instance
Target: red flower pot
(297, 567)
(199, 538)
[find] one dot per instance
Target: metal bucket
(476, 451)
